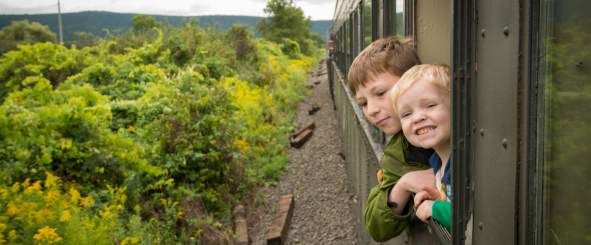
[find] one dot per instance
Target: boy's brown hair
(383, 55)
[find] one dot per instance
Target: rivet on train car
(480, 225)
(579, 65)
(504, 142)
(483, 33)
(482, 132)
(506, 31)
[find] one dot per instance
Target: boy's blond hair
(437, 75)
(383, 55)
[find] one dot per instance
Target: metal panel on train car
(433, 35)
(494, 112)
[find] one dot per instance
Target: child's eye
(431, 105)
(362, 104)
(381, 93)
(404, 115)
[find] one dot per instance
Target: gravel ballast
(316, 177)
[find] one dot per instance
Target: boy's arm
(380, 220)
(441, 212)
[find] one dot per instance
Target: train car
(521, 108)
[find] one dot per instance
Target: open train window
(564, 135)
(433, 30)
(393, 18)
(366, 22)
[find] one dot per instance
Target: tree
(285, 22)
(144, 23)
(24, 32)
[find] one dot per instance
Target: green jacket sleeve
(380, 221)
(441, 212)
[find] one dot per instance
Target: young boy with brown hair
(421, 99)
(371, 76)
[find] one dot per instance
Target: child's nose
(418, 117)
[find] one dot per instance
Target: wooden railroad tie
(277, 231)
(313, 109)
(300, 137)
(240, 225)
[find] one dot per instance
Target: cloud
(10, 9)
(317, 2)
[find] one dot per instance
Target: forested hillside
(149, 137)
(95, 22)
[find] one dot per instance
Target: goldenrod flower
(74, 195)
(65, 217)
(12, 209)
(86, 201)
(47, 235)
(12, 234)
(51, 180)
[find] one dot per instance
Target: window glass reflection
(567, 140)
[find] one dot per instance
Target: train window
(379, 19)
(399, 21)
(566, 72)
(366, 22)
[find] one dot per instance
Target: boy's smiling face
(425, 115)
(373, 98)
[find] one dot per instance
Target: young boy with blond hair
(421, 99)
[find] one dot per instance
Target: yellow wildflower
(12, 234)
(12, 209)
(35, 187)
(51, 196)
(4, 193)
(130, 241)
(86, 201)
(44, 215)
(26, 183)
(47, 235)
(51, 180)
(242, 145)
(16, 187)
(65, 217)
(74, 195)
(107, 214)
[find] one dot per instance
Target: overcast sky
(316, 9)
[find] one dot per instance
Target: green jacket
(399, 158)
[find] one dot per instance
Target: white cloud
(319, 9)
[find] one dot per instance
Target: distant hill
(95, 21)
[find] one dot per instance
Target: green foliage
(24, 32)
(65, 131)
(286, 21)
(51, 61)
(290, 48)
(241, 39)
(85, 39)
(143, 23)
(152, 128)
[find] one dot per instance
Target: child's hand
(426, 194)
(417, 181)
(424, 211)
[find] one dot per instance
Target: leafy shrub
(51, 61)
(65, 131)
